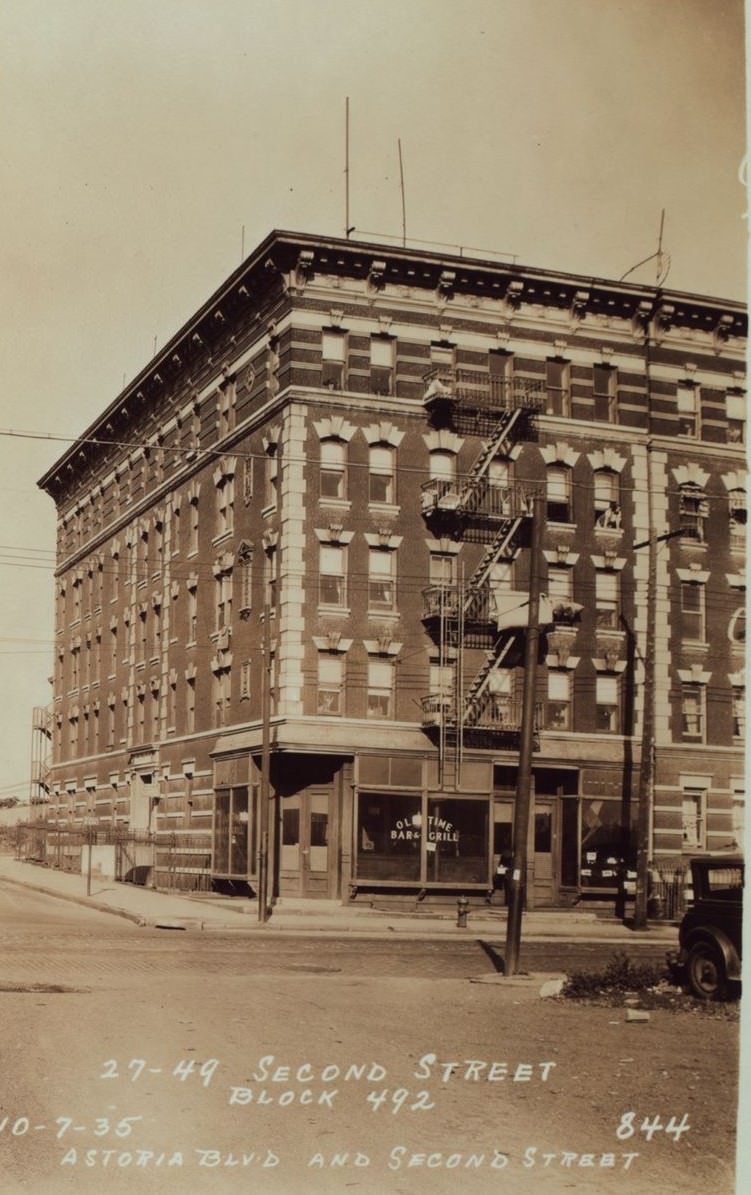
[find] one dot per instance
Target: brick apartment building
(294, 561)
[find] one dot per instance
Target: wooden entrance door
(544, 830)
(305, 844)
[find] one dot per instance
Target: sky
(145, 145)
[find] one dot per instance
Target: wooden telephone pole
(523, 803)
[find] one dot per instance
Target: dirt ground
(457, 1086)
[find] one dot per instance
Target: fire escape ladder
(501, 543)
(473, 698)
(493, 446)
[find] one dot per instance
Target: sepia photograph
(373, 597)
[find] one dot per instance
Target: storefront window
(238, 847)
(601, 843)
(457, 841)
(389, 837)
(570, 843)
(221, 836)
(446, 841)
(231, 822)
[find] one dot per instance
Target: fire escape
(41, 737)
(474, 613)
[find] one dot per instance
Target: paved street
(76, 945)
(187, 1062)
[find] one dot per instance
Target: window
(330, 684)
(271, 577)
(443, 466)
(739, 812)
(560, 587)
(221, 696)
(223, 590)
(156, 630)
(607, 499)
(501, 372)
(442, 682)
(694, 803)
(381, 474)
(192, 614)
(500, 692)
(692, 710)
(688, 409)
(606, 699)
(499, 491)
(389, 836)
(442, 353)
(735, 409)
(143, 557)
(559, 700)
(333, 355)
(442, 569)
(382, 364)
(457, 844)
(245, 680)
(332, 581)
(155, 714)
(381, 572)
(190, 704)
(246, 581)
(607, 588)
(113, 649)
(693, 614)
(737, 512)
(193, 544)
(604, 392)
(557, 384)
(141, 717)
(226, 409)
(225, 505)
(739, 711)
(271, 477)
(158, 546)
(693, 509)
(559, 494)
(247, 480)
(333, 469)
(380, 689)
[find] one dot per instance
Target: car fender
(716, 938)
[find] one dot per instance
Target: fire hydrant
(462, 908)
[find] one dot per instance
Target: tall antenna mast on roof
(401, 185)
(348, 228)
(662, 259)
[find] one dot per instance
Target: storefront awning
(324, 737)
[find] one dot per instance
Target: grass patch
(621, 976)
(624, 983)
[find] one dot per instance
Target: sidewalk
(202, 911)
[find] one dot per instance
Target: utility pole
(648, 762)
(523, 803)
(263, 819)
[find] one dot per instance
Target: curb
(87, 901)
(434, 929)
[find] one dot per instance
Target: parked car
(710, 934)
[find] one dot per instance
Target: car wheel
(705, 969)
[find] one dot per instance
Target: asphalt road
(134, 1061)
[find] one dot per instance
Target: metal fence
(180, 862)
(669, 891)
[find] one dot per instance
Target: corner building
(302, 536)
